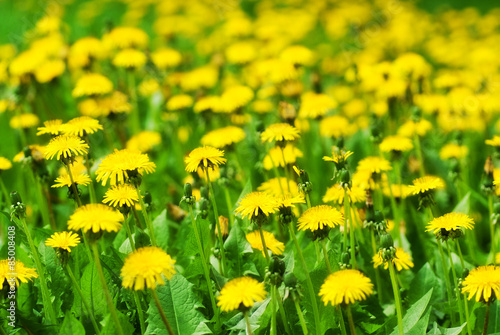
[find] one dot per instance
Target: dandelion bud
(17, 209)
(386, 241)
(345, 179)
(277, 270)
(290, 280)
(203, 207)
(204, 192)
(188, 195)
(287, 112)
(223, 223)
(487, 184)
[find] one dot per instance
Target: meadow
(253, 167)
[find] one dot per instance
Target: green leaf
(110, 328)
(181, 309)
(162, 230)
(259, 318)
(446, 331)
(71, 326)
(414, 313)
(464, 205)
(91, 288)
(236, 246)
(420, 327)
(422, 283)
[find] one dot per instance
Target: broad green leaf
(464, 205)
(420, 327)
(422, 283)
(110, 328)
(447, 331)
(91, 288)
(257, 321)
(236, 247)
(181, 309)
(415, 312)
(162, 230)
(71, 326)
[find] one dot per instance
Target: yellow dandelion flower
(78, 171)
(280, 132)
(117, 103)
(335, 194)
(202, 77)
(81, 126)
(262, 106)
(96, 218)
(144, 141)
(122, 164)
(241, 52)
(49, 70)
(166, 58)
(204, 158)
(5, 164)
(148, 87)
(255, 204)
(273, 187)
(121, 195)
(338, 156)
(37, 152)
(126, 37)
(208, 103)
(396, 143)
(410, 128)
(241, 292)
(130, 58)
(314, 105)
(398, 191)
(318, 217)
(298, 54)
(146, 268)
(288, 200)
(88, 47)
(401, 260)
(275, 156)
(272, 244)
(64, 240)
(223, 137)
(425, 184)
(66, 146)
(345, 286)
(235, 97)
(451, 221)
(10, 269)
(92, 84)
(52, 127)
(179, 102)
(374, 164)
(452, 150)
(24, 121)
(494, 142)
(336, 126)
(482, 282)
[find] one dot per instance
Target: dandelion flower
(122, 164)
(126, 37)
(275, 156)
(452, 150)
(336, 126)
(64, 240)
(208, 103)
(272, 243)
(77, 171)
(166, 58)
(49, 70)
(450, 221)
(20, 272)
(256, 204)
(121, 195)
(235, 97)
(314, 105)
(345, 286)
(204, 158)
(92, 84)
(494, 142)
(396, 143)
(130, 58)
(24, 121)
(95, 217)
(335, 194)
(338, 157)
(146, 268)
(179, 102)
(426, 184)
(374, 164)
(223, 137)
(481, 282)
(410, 128)
(273, 186)
(66, 146)
(280, 132)
(144, 141)
(401, 260)
(241, 292)
(52, 127)
(5, 164)
(80, 126)
(297, 54)
(318, 217)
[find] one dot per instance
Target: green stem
(347, 209)
(73, 185)
(397, 298)
(49, 309)
(140, 313)
(229, 207)
(129, 232)
(310, 288)
(83, 298)
(486, 319)
(308, 201)
(462, 262)
(342, 322)
(301, 317)
(135, 121)
(39, 198)
(282, 311)
(286, 169)
(273, 311)
(205, 265)
(216, 214)
(325, 253)
(105, 288)
(5, 193)
(446, 280)
(264, 246)
(492, 226)
(455, 282)
(146, 216)
(247, 320)
(466, 304)
(93, 197)
(162, 313)
(418, 151)
(377, 273)
(351, 321)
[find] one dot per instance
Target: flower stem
(325, 253)
(73, 186)
(135, 122)
(310, 288)
(466, 304)
(273, 311)
(377, 272)
(229, 207)
(129, 232)
(264, 246)
(346, 205)
(162, 313)
(455, 282)
(446, 280)
(301, 317)
(105, 288)
(418, 151)
(205, 266)
(492, 226)
(347, 213)
(140, 313)
(342, 322)
(397, 298)
(93, 197)
(5, 193)
(146, 216)
(351, 321)
(460, 254)
(247, 320)
(49, 309)
(216, 214)
(83, 298)
(285, 167)
(282, 311)
(486, 319)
